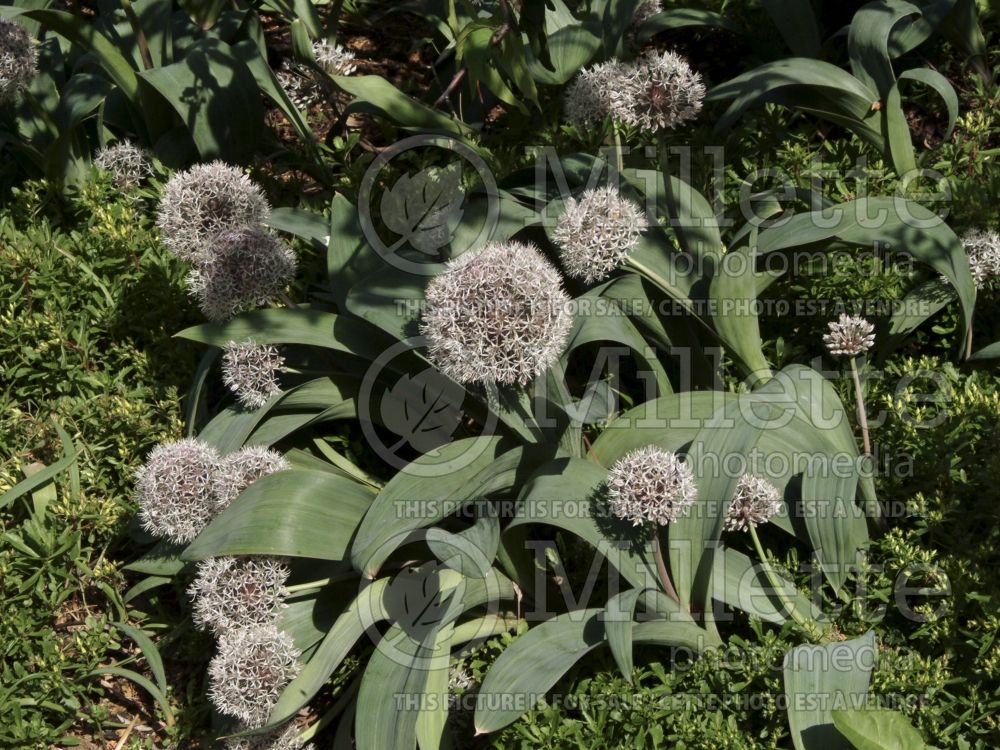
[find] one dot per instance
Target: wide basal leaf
(567, 493)
(374, 92)
(216, 97)
(878, 729)
(367, 609)
(430, 488)
(295, 513)
(819, 679)
(533, 664)
(902, 225)
(845, 93)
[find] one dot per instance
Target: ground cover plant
(466, 374)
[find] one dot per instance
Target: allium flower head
(239, 469)
(333, 59)
(203, 201)
(280, 739)
(244, 268)
(667, 92)
(238, 592)
(128, 164)
(849, 336)
(755, 502)
(651, 485)
(300, 85)
(250, 372)
(596, 233)
(498, 315)
(599, 91)
(18, 59)
(983, 248)
(253, 665)
(174, 489)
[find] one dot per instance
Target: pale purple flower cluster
(651, 486)
(755, 502)
(658, 91)
(497, 316)
(597, 232)
(849, 336)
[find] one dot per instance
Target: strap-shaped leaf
(297, 513)
(532, 664)
(432, 487)
(796, 21)
(821, 678)
(567, 494)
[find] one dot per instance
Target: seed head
(983, 247)
(280, 739)
(249, 671)
(244, 268)
(128, 164)
(651, 486)
(240, 469)
(203, 201)
(250, 372)
(755, 502)
(497, 316)
(596, 233)
(238, 592)
(333, 59)
(667, 92)
(174, 489)
(849, 336)
(18, 59)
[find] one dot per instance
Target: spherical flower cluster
(597, 92)
(128, 164)
(658, 91)
(18, 59)
(298, 82)
(249, 671)
(174, 489)
(596, 233)
(333, 59)
(280, 739)
(669, 92)
(755, 502)
(983, 248)
(250, 372)
(244, 268)
(237, 592)
(184, 484)
(849, 336)
(201, 202)
(238, 470)
(651, 486)
(499, 315)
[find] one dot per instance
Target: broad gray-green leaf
(421, 208)
(295, 513)
(367, 609)
(566, 494)
(532, 664)
(819, 679)
(422, 410)
(431, 488)
(878, 729)
(216, 97)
